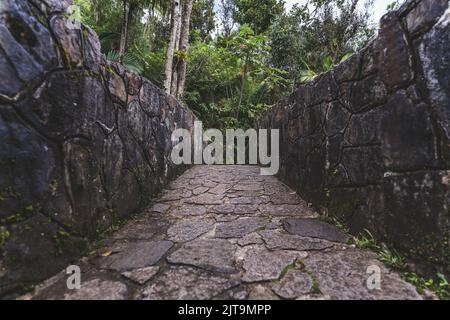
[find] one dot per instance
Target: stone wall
(369, 141)
(84, 143)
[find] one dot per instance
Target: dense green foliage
(230, 81)
(308, 41)
(259, 14)
(244, 54)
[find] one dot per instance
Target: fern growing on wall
(130, 62)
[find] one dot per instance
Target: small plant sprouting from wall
(439, 285)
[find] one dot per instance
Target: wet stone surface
(210, 237)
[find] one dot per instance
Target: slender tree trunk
(124, 33)
(173, 85)
(184, 47)
(168, 68)
(174, 82)
(97, 12)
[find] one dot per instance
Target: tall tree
(176, 57)
(180, 79)
(173, 45)
(96, 6)
(124, 33)
(177, 54)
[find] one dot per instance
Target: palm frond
(130, 62)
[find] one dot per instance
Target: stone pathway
(225, 232)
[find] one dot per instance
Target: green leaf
(346, 57)
(130, 62)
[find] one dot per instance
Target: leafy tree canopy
(244, 55)
(259, 14)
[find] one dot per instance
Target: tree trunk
(168, 67)
(97, 12)
(175, 74)
(184, 47)
(124, 33)
(174, 82)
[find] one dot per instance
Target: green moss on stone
(4, 235)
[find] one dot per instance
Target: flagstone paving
(226, 232)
